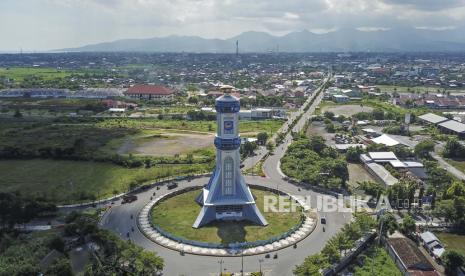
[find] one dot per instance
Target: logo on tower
(228, 127)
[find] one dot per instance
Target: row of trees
(16, 209)
(21, 254)
(336, 246)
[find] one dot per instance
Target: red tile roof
(150, 90)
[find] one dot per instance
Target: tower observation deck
(227, 196)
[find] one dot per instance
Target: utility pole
(380, 231)
(260, 261)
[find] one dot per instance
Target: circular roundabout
(167, 221)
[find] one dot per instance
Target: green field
(77, 181)
(452, 241)
(178, 221)
(270, 126)
(415, 89)
(20, 73)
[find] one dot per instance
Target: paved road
(118, 220)
(448, 167)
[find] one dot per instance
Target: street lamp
(221, 262)
(260, 261)
(242, 262)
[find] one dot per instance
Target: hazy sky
(52, 24)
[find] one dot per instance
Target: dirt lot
(357, 173)
(318, 128)
(167, 144)
(347, 110)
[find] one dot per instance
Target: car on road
(172, 185)
(323, 220)
(129, 198)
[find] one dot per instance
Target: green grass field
(178, 221)
(78, 181)
(270, 126)
(415, 89)
(20, 73)
(452, 241)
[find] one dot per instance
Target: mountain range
(342, 40)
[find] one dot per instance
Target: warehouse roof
(382, 174)
(384, 155)
(385, 140)
(433, 118)
(453, 126)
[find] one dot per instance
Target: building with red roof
(150, 92)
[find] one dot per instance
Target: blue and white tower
(227, 196)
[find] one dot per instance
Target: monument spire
(227, 196)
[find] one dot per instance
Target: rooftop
(453, 126)
(385, 140)
(433, 118)
(410, 255)
(384, 155)
(428, 237)
(382, 174)
(149, 89)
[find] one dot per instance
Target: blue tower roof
(227, 104)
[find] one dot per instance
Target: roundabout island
(162, 222)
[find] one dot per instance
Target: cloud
(66, 23)
(429, 5)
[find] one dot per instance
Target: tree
(262, 137)
(247, 148)
(18, 114)
(193, 100)
(329, 115)
(79, 145)
(60, 267)
(317, 143)
(330, 127)
(270, 146)
(452, 260)
(423, 148)
(457, 189)
(371, 188)
(408, 225)
(311, 266)
(453, 148)
(388, 224)
(353, 154)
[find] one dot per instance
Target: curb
(144, 225)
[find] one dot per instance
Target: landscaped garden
(177, 214)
